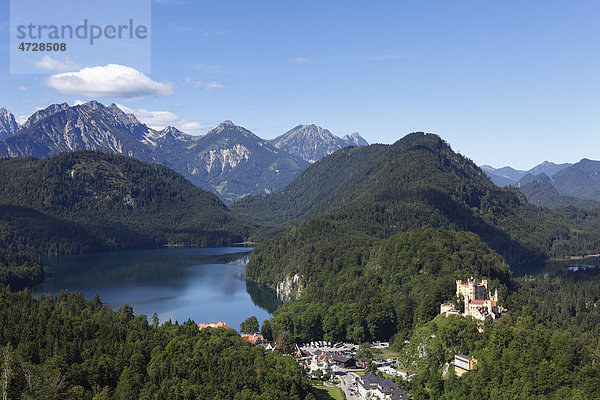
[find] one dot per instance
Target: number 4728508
(43, 46)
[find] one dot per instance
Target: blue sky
(505, 83)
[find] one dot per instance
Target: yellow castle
(479, 301)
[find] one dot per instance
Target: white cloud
(21, 88)
(161, 119)
(22, 118)
(50, 64)
(113, 81)
(204, 85)
(299, 60)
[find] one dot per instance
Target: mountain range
(506, 176)
(230, 160)
(554, 185)
(577, 185)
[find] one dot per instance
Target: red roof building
(252, 338)
(217, 325)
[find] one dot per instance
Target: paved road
(348, 379)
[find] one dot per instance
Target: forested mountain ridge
(417, 182)
(85, 200)
(577, 185)
(582, 180)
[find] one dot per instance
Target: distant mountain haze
(581, 180)
(554, 185)
(506, 176)
(540, 191)
(355, 139)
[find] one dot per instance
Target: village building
(217, 325)
(253, 338)
(463, 364)
(343, 361)
(325, 361)
(372, 386)
(320, 362)
(268, 346)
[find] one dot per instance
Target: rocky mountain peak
(355, 139)
(171, 130)
(230, 128)
(45, 113)
(8, 125)
(311, 142)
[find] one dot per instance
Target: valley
(354, 244)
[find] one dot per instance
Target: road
(348, 381)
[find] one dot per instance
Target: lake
(204, 284)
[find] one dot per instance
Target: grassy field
(328, 393)
(384, 353)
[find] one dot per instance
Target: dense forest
(70, 348)
(547, 348)
(91, 201)
(376, 292)
(19, 270)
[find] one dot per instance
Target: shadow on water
(162, 265)
(263, 296)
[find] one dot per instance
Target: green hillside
(373, 290)
(86, 201)
(418, 182)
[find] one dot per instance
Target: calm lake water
(204, 284)
(553, 267)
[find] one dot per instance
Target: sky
(504, 83)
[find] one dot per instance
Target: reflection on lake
(203, 284)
